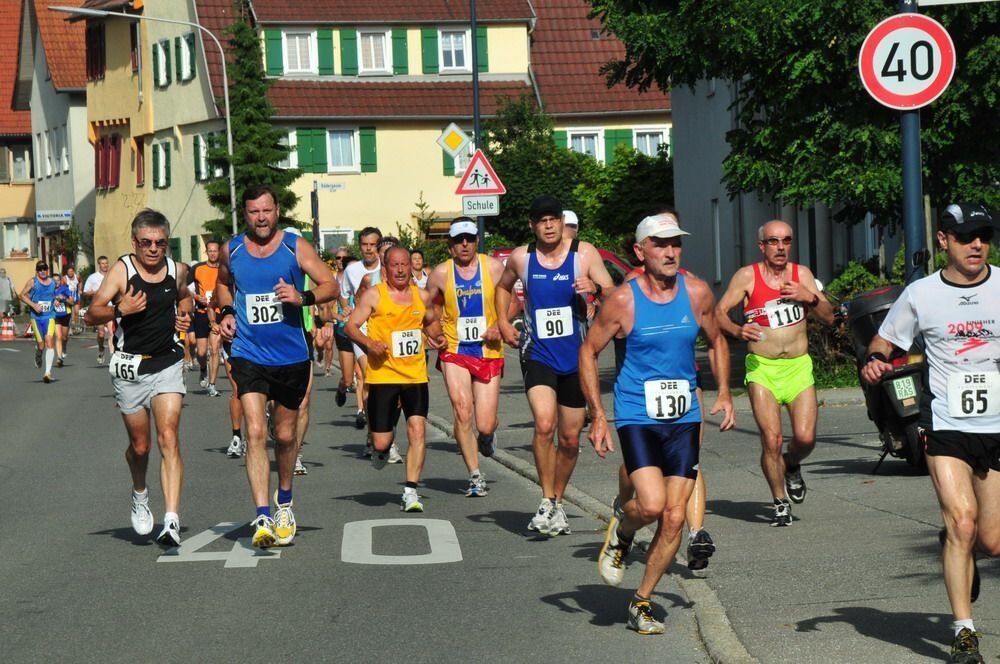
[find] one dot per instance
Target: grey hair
(150, 219)
(760, 229)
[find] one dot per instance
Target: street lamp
(102, 13)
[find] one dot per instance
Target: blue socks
(284, 497)
(264, 510)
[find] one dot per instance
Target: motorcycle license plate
(905, 387)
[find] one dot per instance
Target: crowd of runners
(266, 307)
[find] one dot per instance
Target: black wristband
(877, 356)
(600, 289)
(308, 298)
(226, 311)
(815, 301)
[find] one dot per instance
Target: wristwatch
(876, 356)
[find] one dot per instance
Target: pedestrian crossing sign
(480, 179)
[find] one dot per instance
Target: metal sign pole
(913, 220)
(475, 107)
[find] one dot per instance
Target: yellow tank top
(468, 310)
(402, 329)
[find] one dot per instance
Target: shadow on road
(918, 632)
(129, 535)
(372, 498)
(863, 467)
(752, 511)
(607, 606)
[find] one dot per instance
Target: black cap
(41, 265)
(544, 206)
(965, 218)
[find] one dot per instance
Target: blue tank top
(268, 332)
(469, 295)
(659, 356)
(43, 295)
(553, 313)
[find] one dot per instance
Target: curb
(716, 632)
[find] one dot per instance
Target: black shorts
(200, 325)
(980, 450)
(341, 341)
(64, 321)
(386, 400)
(286, 384)
(673, 448)
(566, 386)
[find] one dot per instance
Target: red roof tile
(567, 62)
(11, 121)
(106, 4)
(349, 11)
(216, 16)
(63, 42)
(348, 99)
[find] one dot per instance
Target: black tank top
(151, 333)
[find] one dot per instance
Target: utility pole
(480, 223)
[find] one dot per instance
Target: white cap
(463, 227)
(660, 225)
(570, 218)
(293, 230)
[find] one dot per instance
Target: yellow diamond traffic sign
(453, 140)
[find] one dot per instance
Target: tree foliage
(256, 146)
(806, 130)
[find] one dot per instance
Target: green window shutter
(156, 65)
(175, 248)
(349, 52)
(198, 175)
(482, 51)
(156, 167)
(319, 150)
(448, 163)
(195, 248)
(178, 59)
(324, 39)
(165, 46)
(369, 151)
(303, 138)
(192, 61)
(429, 48)
(400, 57)
(308, 237)
(166, 164)
(273, 56)
(561, 141)
(612, 139)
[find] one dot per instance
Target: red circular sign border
(866, 65)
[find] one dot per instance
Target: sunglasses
(985, 235)
(146, 243)
(775, 241)
(339, 258)
(464, 237)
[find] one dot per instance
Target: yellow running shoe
(263, 532)
(284, 522)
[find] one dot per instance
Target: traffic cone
(7, 331)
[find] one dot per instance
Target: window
(331, 240)
(289, 140)
(56, 151)
(204, 168)
(17, 238)
(587, 142)
(161, 64)
(21, 170)
(342, 151)
(63, 149)
(139, 146)
(107, 161)
(373, 53)
(135, 47)
(184, 51)
(648, 141)
(454, 50)
(95, 52)
(300, 53)
(161, 165)
(38, 151)
(47, 152)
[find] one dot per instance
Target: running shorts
(785, 378)
(341, 341)
(200, 325)
(980, 450)
(385, 400)
(673, 448)
(133, 396)
(286, 384)
(566, 386)
(64, 321)
(43, 327)
(483, 369)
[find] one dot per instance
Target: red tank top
(767, 308)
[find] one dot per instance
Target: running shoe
(487, 446)
(100, 358)
(477, 487)
(700, 549)
(212, 392)
(782, 514)
(284, 522)
(341, 397)
(369, 447)
(59, 361)
(203, 379)
(38, 359)
(237, 447)
(47, 378)
(795, 486)
(540, 522)
(616, 509)
(394, 455)
(170, 535)
(360, 420)
(263, 532)
(379, 459)
(942, 536)
(640, 617)
(142, 518)
(558, 524)
(965, 648)
(299, 468)
(611, 559)
(411, 501)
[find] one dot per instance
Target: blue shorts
(44, 328)
(673, 448)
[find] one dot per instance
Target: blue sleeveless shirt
(553, 313)
(44, 296)
(659, 352)
(268, 332)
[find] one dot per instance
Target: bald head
(774, 228)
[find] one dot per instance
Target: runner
(39, 294)
(955, 311)
(204, 276)
(657, 412)
(270, 358)
(368, 240)
(472, 361)
(106, 331)
(350, 371)
(555, 272)
(63, 305)
(398, 315)
(73, 281)
(777, 296)
(146, 293)
(419, 273)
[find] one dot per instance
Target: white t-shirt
(961, 329)
(353, 274)
(93, 283)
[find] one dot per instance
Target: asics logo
(561, 277)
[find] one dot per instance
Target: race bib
(407, 343)
(471, 328)
(45, 306)
(974, 394)
(667, 399)
(264, 309)
(782, 312)
(59, 307)
(124, 366)
(208, 296)
(554, 323)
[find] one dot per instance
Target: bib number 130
(667, 399)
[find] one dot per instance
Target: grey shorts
(133, 396)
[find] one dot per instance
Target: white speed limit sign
(907, 61)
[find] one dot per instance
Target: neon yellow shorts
(785, 378)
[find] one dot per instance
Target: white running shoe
(212, 392)
(203, 381)
(170, 535)
(299, 468)
(394, 455)
(411, 501)
(477, 487)
(558, 523)
(611, 559)
(237, 448)
(540, 522)
(142, 518)
(263, 532)
(284, 524)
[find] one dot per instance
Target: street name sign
(481, 206)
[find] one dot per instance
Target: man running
(39, 294)
(90, 288)
(777, 296)
(270, 358)
(472, 361)
(657, 411)
(146, 294)
(73, 281)
(204, 276)
(955, 311)
(555, 272)
(354, 273)
(398, 315)
(63, 305)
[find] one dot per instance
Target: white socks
(50, 355)
(959, 625)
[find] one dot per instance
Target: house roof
(63, 43)
(11, 122)
(567, 60)
(348, 99)
(216, 16)
(394, 11)
(108, 4)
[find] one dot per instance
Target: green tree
(806, 130)
(256, 142)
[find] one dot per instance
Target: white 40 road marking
(241, 555)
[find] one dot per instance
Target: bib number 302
(264, 308)
(974, 394)
(406, 343)
(124, 366)
(667, 399)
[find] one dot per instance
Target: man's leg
(542, 400)
(988, 525)
(214, 341)
(167, 413)
(767, 414)
(101, 333)
(570, 426)
(201, 350)
(458, 380)
(416, 434)
(49, 355)
(301, 426)
(285, 447)
(486, 397)
(59, 340)
(803, 412)
(137, 452)
(953, 482)
(668, 534)
(258, 465)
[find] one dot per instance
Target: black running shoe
(782, 514)
(341, 397)
(965, 648)
(795, 487)
(974, 595)
(38, 359)
(700, 549)
(360, 420)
